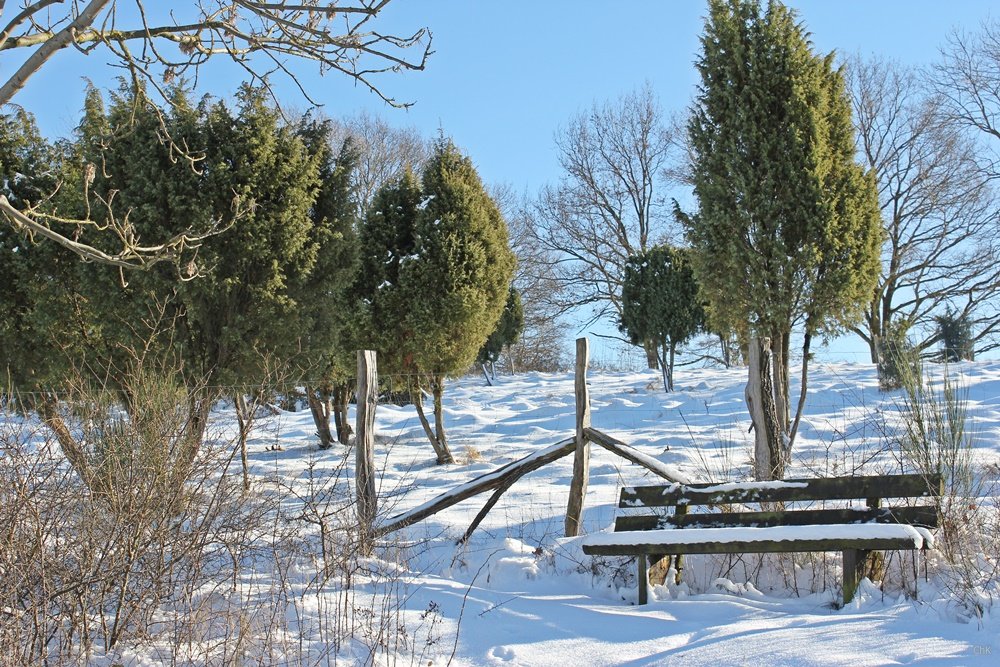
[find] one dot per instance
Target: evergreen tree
(660, 303)
(30, 273)
(507, 332)
(955, 332)
(387, 240)
(898, 360)
(324, 294)
(435, 271)
(787, 228)
(231, 325)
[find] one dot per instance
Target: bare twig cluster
(159, 45)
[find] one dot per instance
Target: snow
(836, 531)
(519, 593)
(752, 486)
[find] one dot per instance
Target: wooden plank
(925, 515)
(581, 459)
(364, 446)
(820, 488)
(748, 547)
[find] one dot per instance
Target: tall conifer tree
(787, 226)
(323, 295)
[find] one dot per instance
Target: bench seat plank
(820, 488)
(924, 515)
(781, 539)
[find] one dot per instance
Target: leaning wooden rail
(505, 475)
(500, 480)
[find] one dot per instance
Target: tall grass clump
(933, 439)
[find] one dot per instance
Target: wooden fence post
(581, 460)
(364, 470)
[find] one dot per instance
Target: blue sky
(506, 75)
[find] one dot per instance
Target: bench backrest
(872, 489)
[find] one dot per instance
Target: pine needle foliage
(787, 228)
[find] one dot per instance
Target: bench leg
(643, 578)
(678, 568)
(854, 570)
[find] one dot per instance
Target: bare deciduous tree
(542, 345)
(939, 211)
(384, 153)
(967, 83)
(609, 203)
(159, 44)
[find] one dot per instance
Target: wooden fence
(498, 480)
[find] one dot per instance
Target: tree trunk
(199, 408)
(48, 410)
(318, 399)
(244, 418)
(437, 387)
(727, 351)
(779, 372)
(875, 347)
(769, 447)
(802, 395)
(670, 365)
(652, 354)
(341, 401)
(443, 455)
(662, 358)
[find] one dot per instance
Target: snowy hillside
(520, 594)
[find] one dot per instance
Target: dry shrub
(167, 556)
(85, 568)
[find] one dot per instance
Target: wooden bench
(734, 528)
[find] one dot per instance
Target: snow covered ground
(520, 594)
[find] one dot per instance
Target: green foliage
(660, 298)
(955, 332)
(323, 294)
(32, 276)
(435, 267)
(661, 303)
(387, 240)
(507, 331)
(263, 291)
(435, 272)
(258, 171)
(788, 224)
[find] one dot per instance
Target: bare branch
(158, 47)
(939, 209)
(609, 203)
